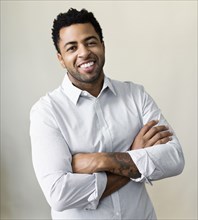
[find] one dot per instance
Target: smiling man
(82, 54)
(96, 141)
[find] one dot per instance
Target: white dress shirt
(68, 121)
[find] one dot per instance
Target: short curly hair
(73, 16)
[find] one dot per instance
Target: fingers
(163, 140)
(155, 130)
(161, 137)
(153, 135)
(147, 127)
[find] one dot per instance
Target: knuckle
(154, 129)
(150, 123)
(168, 133)
(159, 135)
(161, 142)
(147, 126)
(144, 139)
(162, 128)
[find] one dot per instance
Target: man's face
(81, 53)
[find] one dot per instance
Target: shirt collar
(74, 93)
(108, 84)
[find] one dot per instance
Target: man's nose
(83, 51)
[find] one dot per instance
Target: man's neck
(93, 88)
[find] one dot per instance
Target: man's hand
(151, 135)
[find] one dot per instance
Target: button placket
(104, 127)
(116, 204)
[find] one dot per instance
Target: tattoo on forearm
(124, 165)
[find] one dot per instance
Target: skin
(80, 44)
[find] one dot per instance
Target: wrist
(107, 161)
(120, 163)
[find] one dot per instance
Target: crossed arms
(119, 166)
(66, 181)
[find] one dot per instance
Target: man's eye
(92, 43)
(72, 48)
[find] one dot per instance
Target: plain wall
(153, 43)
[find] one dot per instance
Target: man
(96, 141)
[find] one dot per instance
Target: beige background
(153, 43)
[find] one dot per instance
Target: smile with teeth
(86, 65)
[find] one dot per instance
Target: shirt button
(85, 93)
(117, 213)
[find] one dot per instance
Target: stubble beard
(82, 78)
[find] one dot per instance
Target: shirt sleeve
(159, 161)
(51, 157)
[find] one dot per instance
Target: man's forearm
(95, 162)
(117, 163)
(120, 164)
(114, 183)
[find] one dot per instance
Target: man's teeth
(85, 65)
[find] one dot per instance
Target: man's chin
(90, 79)
(85, 77)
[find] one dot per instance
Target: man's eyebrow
(86, 39)
(91, 37)
(71, 42)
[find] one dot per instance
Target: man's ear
(61, 60)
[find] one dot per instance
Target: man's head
(73, 16)
(79, 41)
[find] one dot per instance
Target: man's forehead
(77, 32)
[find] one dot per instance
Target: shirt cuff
(144, 164)
(100, 185)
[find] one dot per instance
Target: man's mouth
(86, 65)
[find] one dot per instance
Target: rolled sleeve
(159, 161)
(144, 164)
(100, 185)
